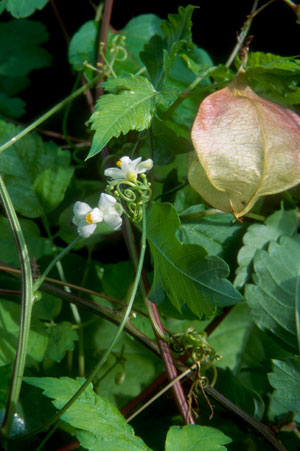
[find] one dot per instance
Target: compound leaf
(99, 425)
(130, 106)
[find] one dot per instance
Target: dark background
(216, 25)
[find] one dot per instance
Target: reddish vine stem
(166, 355)
(162, 377)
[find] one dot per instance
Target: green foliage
(285, 378)
(18, 57)
(274, 76)
(21, 8)
(61, 340)
(272, 297)
(183, 272)
(259, 235)
(83, 46)
(98, 424)
(233, 284)
(130, 106)
(37, 245)
(198, 438)
(9, 331)
(36, 173)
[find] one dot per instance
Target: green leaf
(274, 76)
(61, 340)
(12, 107)
(217, 233)
(272, 299)
(159, 53)
(243, 396)
(183, 272)
(196, 438)
(37, 246)
(83, 45)
(18, 57)
(285, 378)
(36, 173)
(236, 325)
(152, 57)
(257, 237)
(139, 30)
(99, 425)
(166, 144)
(177, 30)
(24, 8)
(130, 107)
(9, 332)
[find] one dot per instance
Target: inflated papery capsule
(246, 147)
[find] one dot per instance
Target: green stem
(186, 93)
(49, 113)
(26, 307)
(242, 36)
(40, 281)
(122, 325)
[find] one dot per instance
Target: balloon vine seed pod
(246, 147)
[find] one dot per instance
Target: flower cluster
(109, 210)
(87, 218)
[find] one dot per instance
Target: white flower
(86, 218)
(129, 169)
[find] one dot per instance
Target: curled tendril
(196, 346)
(132, 196)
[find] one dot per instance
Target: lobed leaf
(196, 438)
(99, 425)
(20, 50)
(272, 297)
(258, 235)
(285, 378)
(130, 106)
(24, 8)
(36, 173)
(183, 272)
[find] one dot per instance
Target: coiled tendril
(131, 195)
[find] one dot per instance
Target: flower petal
(86, 230)
(81, 209)
(114, 173)
(144, 166)
(106, 201)
(113, 220)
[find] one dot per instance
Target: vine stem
(26, 308)
(159, 333)
(108, 5)
(101, 362)
(53, 262)
(243, 34)
(166, 388)
(49, 113)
